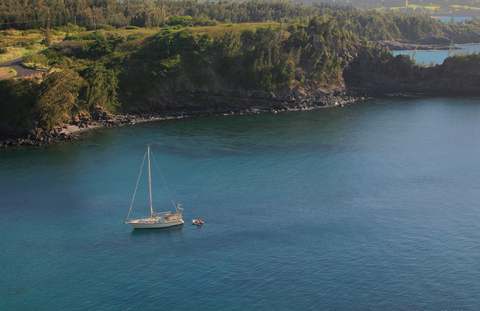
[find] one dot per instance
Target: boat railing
(165, 213)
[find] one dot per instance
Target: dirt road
(22, 72)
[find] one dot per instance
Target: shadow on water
(231, 136)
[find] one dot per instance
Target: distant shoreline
(410, 46)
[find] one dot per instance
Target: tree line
(97, 14)
(143, 13)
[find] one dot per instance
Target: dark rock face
(38, 137)
(231, 102)
(100, 114)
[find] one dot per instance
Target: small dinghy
(198, 222)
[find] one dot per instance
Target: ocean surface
(436, 57)
(369, 207)
(453, 19)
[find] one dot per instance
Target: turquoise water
(367, 207)
(452, 19)
(436, 57)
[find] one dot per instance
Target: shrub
(134, 37)
(69, 28)
(102, 84)
(188, 21)
(204, 22)
(25, 44)
(180, 21)
(35, 61)
(105, 27)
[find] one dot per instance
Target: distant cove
(436, 57)
(452, 19)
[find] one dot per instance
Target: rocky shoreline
(398, 46)
(72, 131)
(100, 119)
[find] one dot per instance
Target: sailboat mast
(150, 183)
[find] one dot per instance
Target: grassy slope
(211, 30)
(217, 30)
(22, 43)
(220, 29)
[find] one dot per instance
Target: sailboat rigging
(156, 219)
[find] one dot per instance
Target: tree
(58, 95)
(102, 84)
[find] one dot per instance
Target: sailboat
(156, 219)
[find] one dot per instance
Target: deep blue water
(436, 57)
(367, 207)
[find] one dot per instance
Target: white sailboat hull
(170, 220)
(155, 225)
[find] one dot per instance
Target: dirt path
(22, 72)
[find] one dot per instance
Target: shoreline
(411, 46)
(72, 132)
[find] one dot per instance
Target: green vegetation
(99, 54)
(15, 44)
(102, 85)
(62, 95)
(221, 29)
(187, 21)
(268, 59)
(103, 14)
(15, 53)
(74, 15)
(89, 67)
(35, 61)
(57, 96)
(73, 86)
